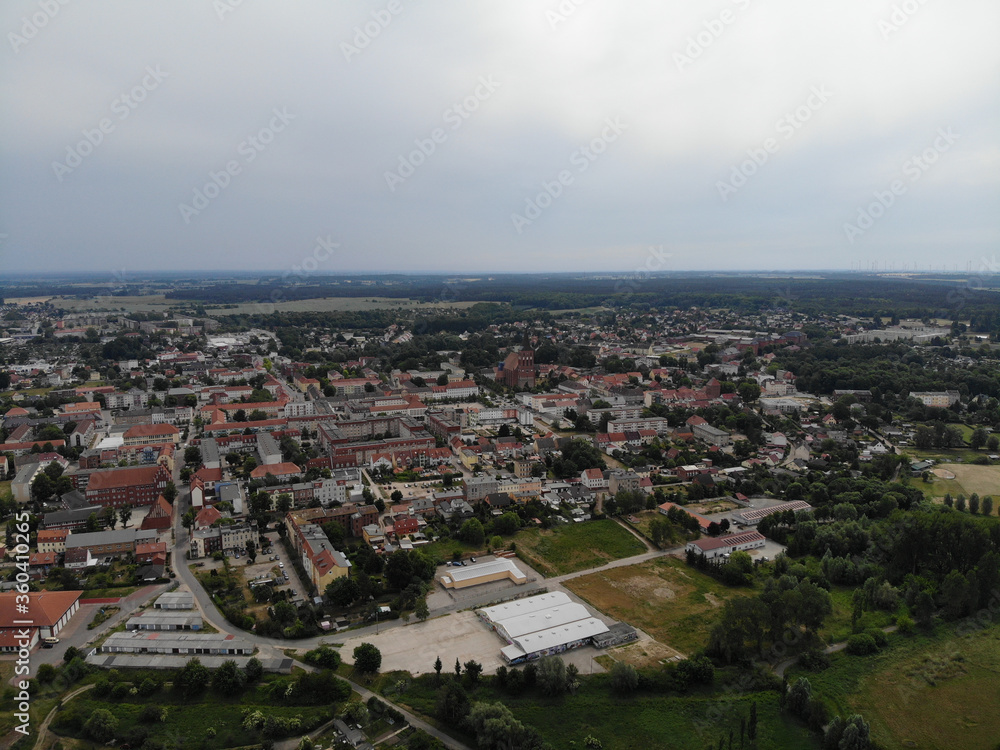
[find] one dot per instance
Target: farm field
(931, 692)
(673, 603)
(576, 546)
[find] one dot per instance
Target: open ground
(572, 547)
(675, 604)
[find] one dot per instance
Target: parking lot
(266, 567)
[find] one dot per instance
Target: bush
(879, 636)
(323, 656)
(814, 660)
(861, 644)
(101, 726)
(152, 713)
(905, 624)
(624, 678)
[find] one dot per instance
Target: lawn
(5, 490)
(637, 722)
(576, 546)
(927, 691)
(673, 603)
(109, 593)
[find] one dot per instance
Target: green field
(207, 722)
(638, 722)
(675, 604)
(576, 546)
(932, 692)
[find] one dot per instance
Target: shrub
(905, 624)
(879, 636)
(814, 660)
(861, 644)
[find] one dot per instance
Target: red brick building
(158, 516)
(518, 369)
(133, 486)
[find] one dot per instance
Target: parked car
(472, 559)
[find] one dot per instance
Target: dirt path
(43, 730)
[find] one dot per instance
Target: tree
(472, 671)
(987, 506)
(748, 391)
(437, 667)
(472, 532)
(192, 455)
(343, 591)
(399, 569)
(507, 524)
(396, 496)
(42, 488)
(254, 669)
(170, 492)
(551, 675)
(977, 441)
(624, 678)
(125, 515)
(93, 523)
(251, 550)
(799, 695)
(192, 679)
(993, 444)
(458, 667)
(101, 726)
(974, 504)
(421, 610)
(229, 679)
(367, 658)
(453, 703)
(752, 722)
(187, 520)
(960, 504)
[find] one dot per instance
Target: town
(660, 495)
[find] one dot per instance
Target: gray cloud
(700, 90)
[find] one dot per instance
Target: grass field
(969, 478)
(930, 692)
(675, 604)
(576, 546)
(638, 722)
(188, 722)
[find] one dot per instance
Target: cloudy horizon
(499, 136)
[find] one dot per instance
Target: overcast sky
(501, 135)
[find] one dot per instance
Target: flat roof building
(487, 572)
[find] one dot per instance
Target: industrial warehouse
(547, 624)
(500, 569)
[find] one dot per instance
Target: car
(472, 559)
(49, 642)
(281, 565)
(463, 562)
